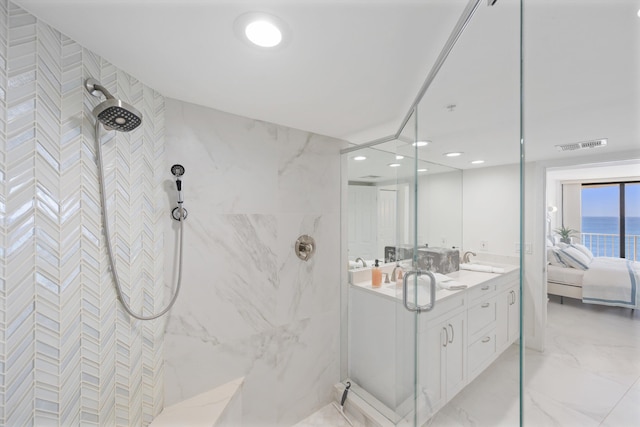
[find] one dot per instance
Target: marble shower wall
(69, 355)
(249, 307)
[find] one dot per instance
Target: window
(611, 219)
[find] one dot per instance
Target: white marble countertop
(466, 277)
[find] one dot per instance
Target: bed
(572, 273)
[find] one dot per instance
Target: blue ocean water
(608, 246)
(609, 224)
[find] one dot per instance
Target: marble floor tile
(588, 375)
(327, 416)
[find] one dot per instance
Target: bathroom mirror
(381, 184)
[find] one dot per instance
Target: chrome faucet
(364, 264)
(393, 272)
(465, 257)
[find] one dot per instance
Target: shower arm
(95, 88)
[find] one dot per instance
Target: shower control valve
(175, 213)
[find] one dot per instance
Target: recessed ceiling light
(453, 154)
(263, 33)
(422, 170)
(359, 158)
(477, 162)
(421, 143)
(638, 13)
(394, 165)
(261, 30)
(399, 157)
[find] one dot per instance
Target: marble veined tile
(627, 411)
(308, 287)
(327, 416)
(231, 162)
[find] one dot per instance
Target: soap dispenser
(376, 275)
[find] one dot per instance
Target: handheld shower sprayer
(179, 213)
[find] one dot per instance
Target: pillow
(574, 258)
(553, 258)
(585, 250)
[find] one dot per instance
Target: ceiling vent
(593, 143)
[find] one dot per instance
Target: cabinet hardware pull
(486, 339)
(485, 288)
(452, 334)
(485, 305)
(446, 337)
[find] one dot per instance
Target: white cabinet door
(508, 319)
(431, 369)
(455, 355)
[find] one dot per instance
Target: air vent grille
(593, 143)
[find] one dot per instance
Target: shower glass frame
(411, 130)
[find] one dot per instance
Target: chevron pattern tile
(69, 354)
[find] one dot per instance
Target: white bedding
(564, 275)
(612, 281)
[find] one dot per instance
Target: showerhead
(113, 113)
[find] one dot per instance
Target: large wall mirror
(381, 185)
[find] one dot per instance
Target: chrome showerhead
(113, 113)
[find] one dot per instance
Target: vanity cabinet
(464, 333)
(441, 360)
(508, 328)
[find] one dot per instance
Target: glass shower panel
(468, 227)
(381, 226)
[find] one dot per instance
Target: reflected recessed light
(399, 157)
(422, 170)
(477, 162)
(638, 13)
(453, 154)
(261, 30)
(420, 143)
(359, 158)
(394, 165)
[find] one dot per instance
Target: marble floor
(588, 375)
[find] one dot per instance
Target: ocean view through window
(611, 219)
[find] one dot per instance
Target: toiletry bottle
(376, 276)
(399, 276)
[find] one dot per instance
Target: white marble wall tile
(309, 173)
(249, 307)
(231, 162)
(311, 287)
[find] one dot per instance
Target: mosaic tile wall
(69, 355)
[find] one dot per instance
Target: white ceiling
(352, 68)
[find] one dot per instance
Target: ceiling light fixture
(477, 162)
(394, 165)
(359, 158)
(422, 170)
(261, 30)
(399, 157)
(263, 33)
(453, 154)
(421, 143)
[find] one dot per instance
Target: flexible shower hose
(107, 234)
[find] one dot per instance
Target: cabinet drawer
(481, 351)
(480, 291)
(481, 315)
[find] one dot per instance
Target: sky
(604, 201)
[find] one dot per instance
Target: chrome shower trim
(95, 88)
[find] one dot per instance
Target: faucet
(364, 264)
(465, 257)
(393, 273)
